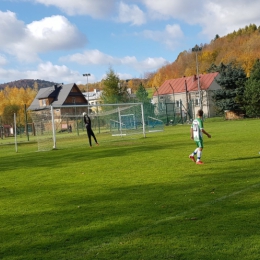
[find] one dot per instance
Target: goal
(62, 127)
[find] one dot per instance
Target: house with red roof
(185, 90)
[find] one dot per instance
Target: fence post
(15, 134)
(26, 122)
(53, 128)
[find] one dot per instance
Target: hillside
(31, 83)
(241, 47)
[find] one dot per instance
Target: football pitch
(135, 198)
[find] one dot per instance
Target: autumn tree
(252, 91)
(8, 113)
(13, 98)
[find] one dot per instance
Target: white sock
(195, 152)
(199, 155)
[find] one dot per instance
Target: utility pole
(196, 49)
(173, 96)
(187, 101)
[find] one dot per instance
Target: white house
(93, 96)
(186, 89)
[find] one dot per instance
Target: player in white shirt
(196, 131)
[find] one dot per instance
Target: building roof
(178, 85)
(50, 92)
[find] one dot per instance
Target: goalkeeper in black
(90, 132)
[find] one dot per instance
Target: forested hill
(31, 83)
(241, 47)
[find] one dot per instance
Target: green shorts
(199, 143)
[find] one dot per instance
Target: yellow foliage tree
(17, 96)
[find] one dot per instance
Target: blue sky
(59, 40)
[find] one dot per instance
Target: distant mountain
(31, 83)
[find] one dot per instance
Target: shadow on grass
(63, 220)
(245, 158)
(56, 158)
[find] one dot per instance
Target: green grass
(139, 198)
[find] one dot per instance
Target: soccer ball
(84, 113)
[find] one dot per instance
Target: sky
(60, 40)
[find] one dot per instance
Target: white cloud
(150, 64)
(11, 75)
(46, 71)
(95, 57)
(214, 16)
(48, 34)
(131, 14)
(11, 30)
(165, 9)
(170, 36)
(225, 16)
(95, 9)
(54, 32)
(3, 60)
(99, 9)
(51, 72)
(54, 73)
(124, 75)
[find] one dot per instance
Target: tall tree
(141, 93)
(142, 96)
(14, 97)
(113, 91)
(232, 81)
(252, 91)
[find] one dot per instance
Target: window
(195, 101)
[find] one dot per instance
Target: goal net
(63, 127)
